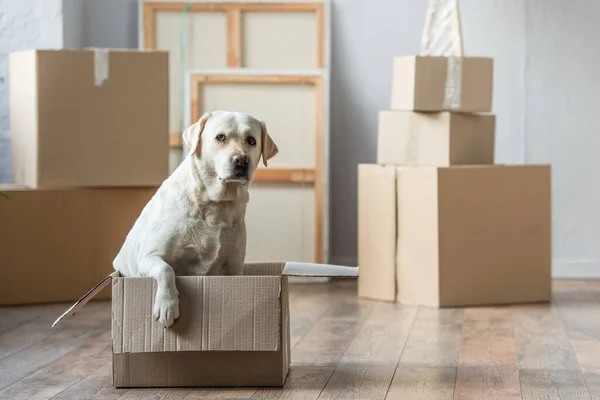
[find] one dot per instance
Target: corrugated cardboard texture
(264, 268)
(198, 368)
(286, 348)
(474, 235)
(377, 231)
(232, 331)
(216, 313)
(436, 139)
(67, 131)
(65, 238)
(419, 84)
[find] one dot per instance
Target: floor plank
(97, 386)
(327, 341)
(591, 377)
(428, 364)
(63, 373)
(221, 393)
(487, 367)
(343, 347)
(367, 368)
(575, 301)
(156, 394)
(303, 313)
(423, 383)
(19, 333)
(550, 385)
(435, 338)
(75, 333)
(541, 341)
(14, 316)
(303, 383)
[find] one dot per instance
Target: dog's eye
(251, 141)
(220, 137)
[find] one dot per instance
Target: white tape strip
(452, 94)
(100, 66)
(442, 33)
(442, 38)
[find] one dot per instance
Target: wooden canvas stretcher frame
(316, 175)
(319, 76)
(233, 10)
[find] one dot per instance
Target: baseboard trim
(576, 269)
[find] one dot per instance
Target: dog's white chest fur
(218, 235)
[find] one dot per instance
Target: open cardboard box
(232, 330)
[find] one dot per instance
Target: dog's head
(232, 143)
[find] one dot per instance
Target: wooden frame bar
(233, 11)
(314, 176)
(318, 76)
(234, 38)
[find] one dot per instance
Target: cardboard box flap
(87, 297)
(216, 313)
(303, 269)
(263, 268)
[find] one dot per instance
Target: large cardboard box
(89, 118)
(425, 83)
(232, 330)
(57, 243)
(455, 236)
(436, 139)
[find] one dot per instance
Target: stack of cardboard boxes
(89, 147)
(439, 223)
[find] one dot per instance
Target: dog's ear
(269, 148)
(192, 135)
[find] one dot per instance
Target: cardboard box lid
(298, 269)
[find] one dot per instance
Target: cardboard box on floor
(427, 83)
(232, 330)
(57, 243)
(89, 118)
(455, 236)
(436, 139)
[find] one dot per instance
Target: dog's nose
(240, 159)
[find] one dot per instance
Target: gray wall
(546, 97)
(23, 24)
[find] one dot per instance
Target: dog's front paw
(166, 309)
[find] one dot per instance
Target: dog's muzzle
(239, 168)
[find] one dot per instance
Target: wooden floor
(344, 348)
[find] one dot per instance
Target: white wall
(546, 99)
(73, 31)
(562, 107)
(23, 24)
(546, 96)
(110, 23)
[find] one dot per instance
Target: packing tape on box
(442, 38)
(100, 66)
(452, 92)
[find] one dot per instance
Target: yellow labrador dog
(194, 224)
